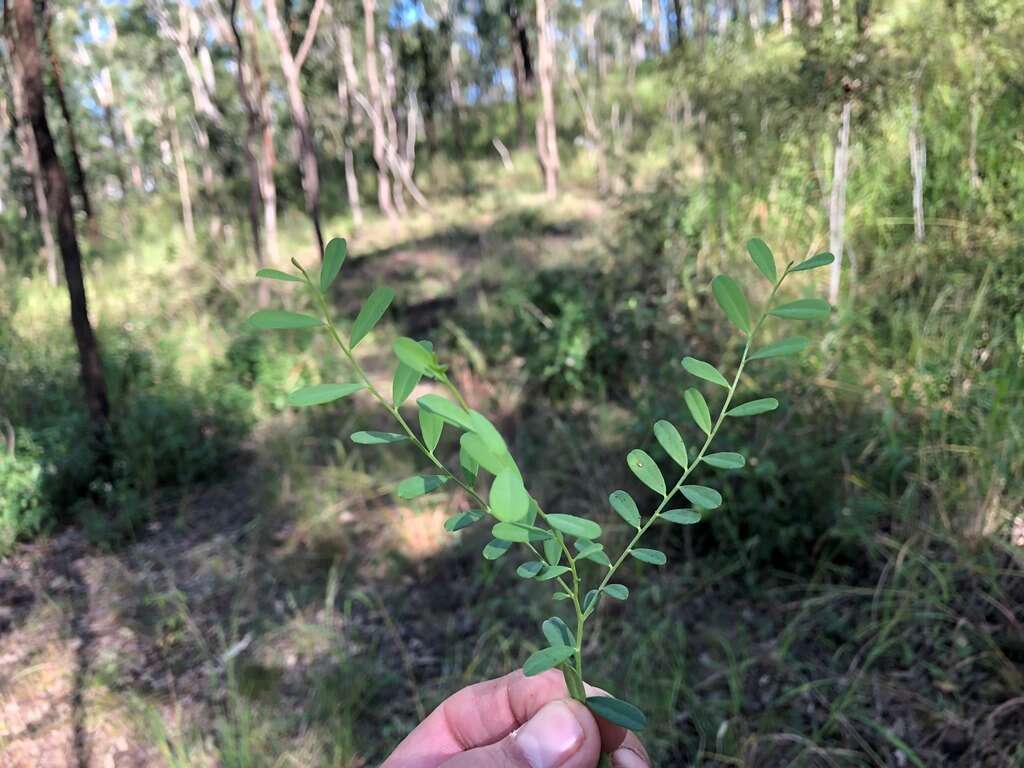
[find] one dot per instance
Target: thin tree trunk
(972, 146)
(837, 200)
(547, 137)
(77, 169)
(452, 71)
(375, 114)
(291, 67)
(677, 6)
(787, 16)
(388, 95)
(918, 166)
(657, 38)
(105, 95)
(26, 51)
(813, 12)
(135, 168)
(348, 84)
(836, 16)
(522, 67)
(30, 159)
(181, 171)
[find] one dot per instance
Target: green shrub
(23, 510)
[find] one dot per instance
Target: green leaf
(547, 658)
(371, 313)
(447, 410)
(645, 468)
(318, 394)
(814, 262)
(731, 299)
(509, 499)
(590, 601)
(790, 346)
(470, 466)
(431, 426)
(462, 520)
(585, 549)
(577, 527)
(595, 553)
(702, 497)
(377, 438)
(618, 712)
(557, 632)
(280, 319)
(496, 549)
(755, 407)
(681, 516)
(561, 596)
(552, 572)
(803, 309)
(763, 258)
(623, 503)
(416, 356)
(617, 591)
(488, 433)
(419, 485)
(668, 437)
(698, 409)
(652, 556)
(520, 533)
(725, 460)
(705, 371)
(334, 257)
(530, 569)
(474, 446)
(553, 551)
(277, 274)
(406, 379)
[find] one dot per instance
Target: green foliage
(520, 519)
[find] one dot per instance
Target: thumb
(563, 734)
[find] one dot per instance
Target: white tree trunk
(787, 16)
(547, 137)
(918, 167)
(837, 201)
(376, 116)
(181, 171)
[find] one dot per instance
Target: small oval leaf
(447, 410)
(496, 548)
(618, 712)
(821, 260)
(418, 485)
(698, 409)
(731, 299)
(377, 438)
(431, 426)
(520, 533)
(755, 407)
(509, 499)
(617, 591)
(645, 468)
(763, 258)
(577, 527)
(416, 356)
(334, 257)
(725, 460)
(668, 437)
(277, 274)
(530, 569)
(623, 503)
(557, 632)
(702, 497)
(681, 516)
(790, 346)
(803, 309)
(280, 319)
(547, 658)
(462, 520)
(370, 314)
(651, 556)
(706, 371)
(318, 394)
(406, 379)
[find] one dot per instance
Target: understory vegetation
(855, 601)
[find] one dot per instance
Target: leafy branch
(482, 449)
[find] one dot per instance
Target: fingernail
(627, 758)
(551, 737)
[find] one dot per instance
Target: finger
(483, 714)
(631, 754)
(562, 734)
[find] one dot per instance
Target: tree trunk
(181, 173)
(677, 6)
(77, 169)
(348, 85)
(522, 67)
(547, 137)
(657, 38)
(813, 12)
(972, 144)
(836, 16)
(26, 51)
(837, 201)
(452, 72)
(30, 159)
(376, 116)
(105, 95)
(787, 16)
(291, 67)
(918, 166)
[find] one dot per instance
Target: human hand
(516, 722)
